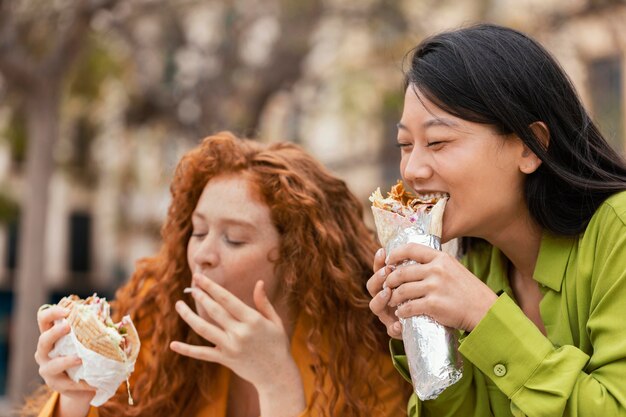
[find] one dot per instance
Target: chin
(448, 233)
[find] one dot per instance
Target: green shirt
(579, 369)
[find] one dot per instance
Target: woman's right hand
(380, 297)
(75, 396)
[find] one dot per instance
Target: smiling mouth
(405, 203)
(431, 197)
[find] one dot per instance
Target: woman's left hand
(251, 342)
(438, 286)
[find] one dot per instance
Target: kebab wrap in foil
(431, 348)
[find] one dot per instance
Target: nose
(205, 253)
(417, 166)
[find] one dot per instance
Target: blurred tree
(9, 209)
(213, 65)
(39, 42)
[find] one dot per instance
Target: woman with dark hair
(277, 256)
(491, 120)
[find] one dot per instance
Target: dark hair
(498, 76)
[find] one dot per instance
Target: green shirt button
(499, 370)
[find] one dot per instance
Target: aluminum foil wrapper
(431, 348)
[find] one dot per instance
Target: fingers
(47, 340)
(56, 366)
(64, 384)
(202, 353)
(47, 316)
(380, 307)
(379, 303)
(379, 259)
(375, 283)
(83, 386)
(406, 273)
(263, 304)
(409, 291)
(395, 330)
(417, 307)
(54, 373)
(381, 295)
(233, 305)
(203, 328)
(419, 253)
(214, 310)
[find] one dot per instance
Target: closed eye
(435, 144)
(404, 146)
(233, 242)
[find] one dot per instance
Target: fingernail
(383, 271)
(384, 293)
(397, 326)
(44, 307)
(379, 252)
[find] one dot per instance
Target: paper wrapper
(431, 348)
(100, 372)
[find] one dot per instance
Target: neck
(520, 242)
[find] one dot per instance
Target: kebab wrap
(108, 350)
(431, 348)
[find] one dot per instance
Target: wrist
(488, 301)
(73, 405)
(283, 396)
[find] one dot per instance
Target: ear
(541, 132)
(530, 161)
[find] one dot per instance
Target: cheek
(190, 251)
(262, 270)
(239, 277)
(404, 160)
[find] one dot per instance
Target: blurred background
(100, 98)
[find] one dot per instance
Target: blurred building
(108, 199)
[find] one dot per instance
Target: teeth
(432, 195)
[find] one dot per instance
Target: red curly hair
(325, 259)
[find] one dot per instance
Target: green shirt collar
(499, 275)
(554, 253)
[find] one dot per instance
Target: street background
(100, 98)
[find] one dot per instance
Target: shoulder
(602, 247)
(614, 206)
(609, 220)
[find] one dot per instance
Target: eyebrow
(439, 121)
(239, 222)
(228, 220)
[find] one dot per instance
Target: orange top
(391, 392)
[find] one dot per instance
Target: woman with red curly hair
(275, 320)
